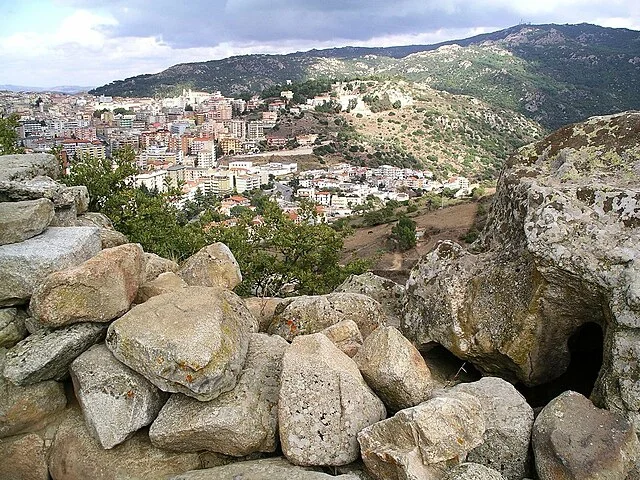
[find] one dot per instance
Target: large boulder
(22, 167)
(239, 422)
(98, 290)
(263, 308)
(20, 221)
(324, 403)
(264, 469)
(312, 314)
(154, 265)
(29, 408)
(345, 335)
(387, 292)
(76, 455)
(25, 265)
(425, 440)
(561, 248)
(46, 355)
(12, 326)
(115, 400)
(212, 266)
(394, 369)
(24, 458)
(508, 420)
(192, 341)
(68, 201)
(573, 439)
(165, 283)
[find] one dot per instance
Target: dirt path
(443, 224)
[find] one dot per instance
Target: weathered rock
(165, 283)
(26, 264)
(394, 369)
(98, 290)
(46, 355)
(263, 469)
(473, 471)
(27, 409)
(81, 199)
(386, 292)
(324, 403)
(312, 314)
(94, 219)
(115, 400)
(423, 441)
(26, 166)
(155, 265)
(213, 266)
(34, 326)
(68, 201)
(111, 238)
(192, 341)
(509, 420)
(263, 308)
(239, 422)
(76, 455)
(12, 326)
(20, 221)
(345, 335)
(572, 439)
(23, 458)
(561, 248)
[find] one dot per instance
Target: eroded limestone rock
(324, 403)
(213, 266)
(394, 369)
(20, 221)
(192, 341)
(561, 248)
(98, 290)
(115, 400)
(574, 439)
(239, 422)
(312, 314)
(25, 265)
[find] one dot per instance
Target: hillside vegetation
(554, 74)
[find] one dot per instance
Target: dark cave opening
(447, 368)
(585, 347)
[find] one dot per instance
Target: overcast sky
(46, 43)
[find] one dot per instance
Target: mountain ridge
(555, 74)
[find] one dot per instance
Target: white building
(152, 180)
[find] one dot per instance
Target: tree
(148, 218)
(404, 233)
(9, 135)
(279, 252)
(103, 177)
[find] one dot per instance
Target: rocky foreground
(118, 364)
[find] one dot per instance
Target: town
(205, 143)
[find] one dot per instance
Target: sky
(46, 43)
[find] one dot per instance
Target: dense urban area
(208, 144)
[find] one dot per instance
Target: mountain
(554, 74)
(70, 89)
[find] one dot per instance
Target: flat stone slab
(46, 355)
(24, 265)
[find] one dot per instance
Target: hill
(554, 74)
